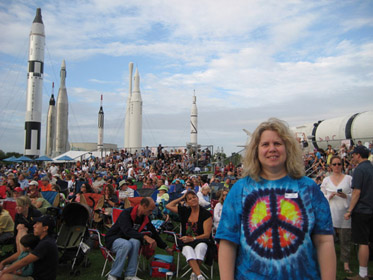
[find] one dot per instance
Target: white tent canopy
(80, 155)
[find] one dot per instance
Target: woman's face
(205, 191)
(83, 189)
(20, 209)
(192, 199)
(224, 195)
(272, 152)
(336, 165)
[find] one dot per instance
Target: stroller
(73, 236)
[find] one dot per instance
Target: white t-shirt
(338, 205)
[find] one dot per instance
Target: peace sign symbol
(274, 225)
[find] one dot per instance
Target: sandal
(348, 271)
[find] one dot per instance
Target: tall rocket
(100, 141)
(62, 133)
(194, 122)
(34, 87)
(135, 131)
(127, 117)
(51, 126)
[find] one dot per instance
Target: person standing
(337, 190)
(361, 207)
(276, 223)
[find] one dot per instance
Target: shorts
(362, 228)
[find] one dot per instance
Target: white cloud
(247, 61)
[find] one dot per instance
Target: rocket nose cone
(38, 17)
(63, 65)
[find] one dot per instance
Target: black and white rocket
(194, 122)
(100, 141)
(51, 126)
(62, 132)
(127, 117)
(34, 87)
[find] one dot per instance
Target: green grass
(97, 261)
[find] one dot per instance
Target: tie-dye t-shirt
(272, 223)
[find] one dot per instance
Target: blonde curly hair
(294, 164)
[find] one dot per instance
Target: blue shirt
(272, 223)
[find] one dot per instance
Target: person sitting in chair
(196, 228)
(124, 238)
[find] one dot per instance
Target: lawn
(97, 261)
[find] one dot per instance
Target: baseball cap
(18, 189)
(362, 151)
(33, 183)
(46, 221)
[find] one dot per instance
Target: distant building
(91, 146)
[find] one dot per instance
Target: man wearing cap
(44, 256)
(125, 191)
(361, 207)
(125, 238)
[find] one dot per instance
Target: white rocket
(194, 122)
(62, 133)
(100, 141)
(127, 117)
(34, 87)
(347, 129)
(51, 126)
(135, 129)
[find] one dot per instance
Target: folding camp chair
(143, 250)
(52, 197)
(95, 202)
(186, 268)
(106, 253)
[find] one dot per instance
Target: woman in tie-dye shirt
(276, 223)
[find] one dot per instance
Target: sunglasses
(339, 164)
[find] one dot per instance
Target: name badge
(291, 195)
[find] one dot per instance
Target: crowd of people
(275, 223)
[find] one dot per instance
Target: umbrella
(10, 159)
(24, 158)
(65, 158)
(44, 158)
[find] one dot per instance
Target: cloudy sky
(300, 61)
